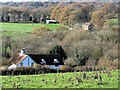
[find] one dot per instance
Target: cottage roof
(16, 59)
(87, 23)
(51, 20)
(49, 58)
(20, 59)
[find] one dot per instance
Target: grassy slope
(113, 21)
(19, 29)
(25, 27)
(35, 81)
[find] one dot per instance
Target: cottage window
(21, 64)
(43, 61)
(56, 62)
(32, 64)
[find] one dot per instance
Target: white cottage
(51, 22)
(52, 61)
(87, 26)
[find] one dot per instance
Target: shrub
(76, 36)
(61, 28)
(70, 62)
(112, 54)
(39, 31)
(37, 66)
(96, 53)
(81, 51)
(5, 62)
(66, 68)
(57, 49)
(106, 35)
(114, 27)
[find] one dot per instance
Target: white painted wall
(54, 67)
(48, 21)
(26, 62)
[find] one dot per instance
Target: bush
(81, 51)
(66, 68)
(106, 35)
(96, 53)
(61, 28)
(57, 49)
(76, 36)
(5, 62)
(112, 54)
(114, 27)
(39, 31)
(70, 62)
(37, 66)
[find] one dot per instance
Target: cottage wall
(54, 67)
(26, 62)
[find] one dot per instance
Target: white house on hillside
(87, 26)
(51, 22)
(53, 61)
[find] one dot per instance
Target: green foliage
(96, 53)
(83, 45)
(8, 52)
(57, 49)
(82, 58)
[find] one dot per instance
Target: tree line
(65, 13)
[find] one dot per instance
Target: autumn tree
(97, 19)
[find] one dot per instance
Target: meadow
(25, 27)
(113, 21)
(22, 29)
(62, 80)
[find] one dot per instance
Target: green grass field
(114, 21)
(19, 29)
(25, 27)
(60, 80)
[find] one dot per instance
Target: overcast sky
(43, 0)
(19, 0)
(54, 0)
(14, 0)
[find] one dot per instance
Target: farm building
(87, 26)
(51, 22)
(53, 61)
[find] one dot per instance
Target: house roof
(21, 58)
(49, 58)
(16, 59)
(51, 20)
(87, 23)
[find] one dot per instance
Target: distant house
(51, 22)
(52, 61)
(87, 26)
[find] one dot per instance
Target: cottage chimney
(22, 52)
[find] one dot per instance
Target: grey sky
(44, 0)
(56, 0)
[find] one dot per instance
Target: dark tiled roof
(49, 58)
